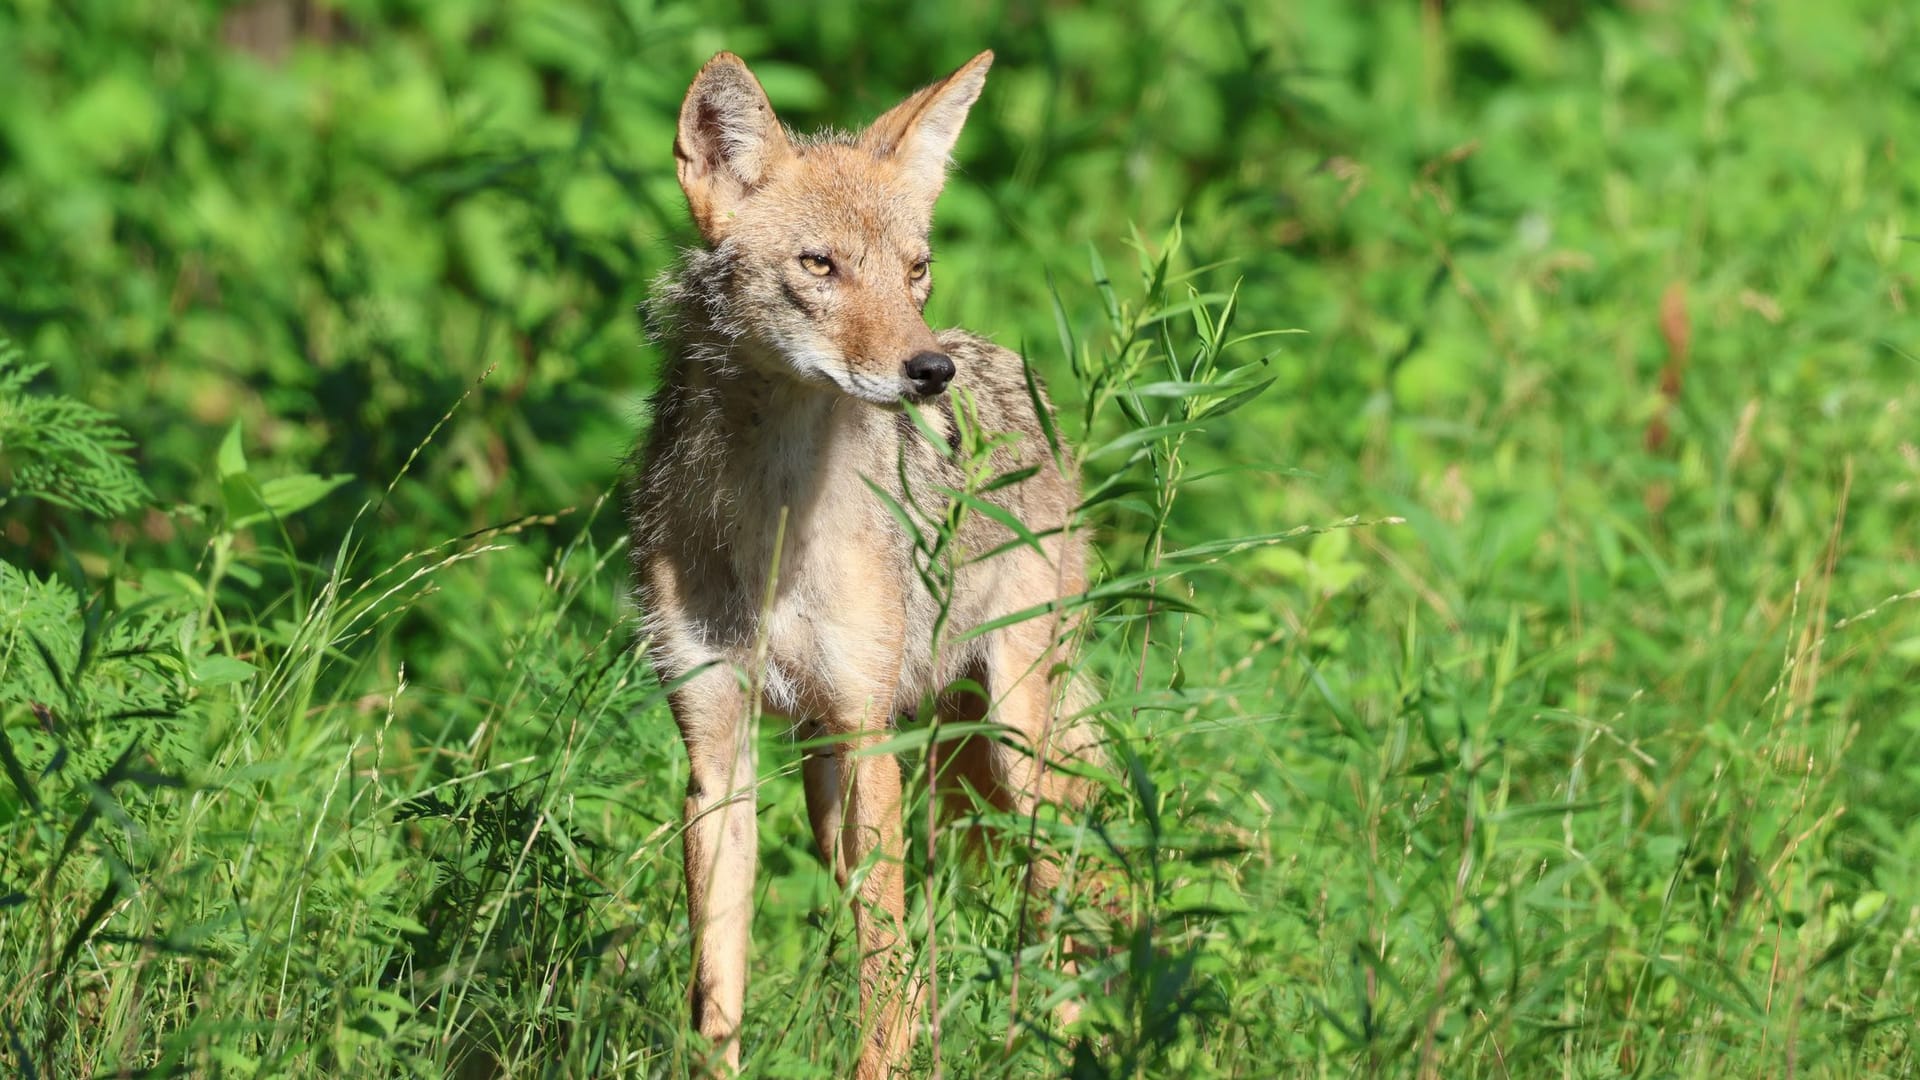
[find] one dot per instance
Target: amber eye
(918, 271)
(817, 265)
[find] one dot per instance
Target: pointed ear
(729, 142)
(920, 132)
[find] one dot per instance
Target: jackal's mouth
(887, 393)
(916, 397)
(825, 369)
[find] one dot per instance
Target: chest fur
(846, 608)
(847, 605)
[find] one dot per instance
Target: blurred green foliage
(1603, 763)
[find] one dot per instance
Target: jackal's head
(825, 238)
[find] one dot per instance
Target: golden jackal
(794, 337)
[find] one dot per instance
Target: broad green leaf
(232, 459)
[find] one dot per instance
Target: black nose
(930, 372)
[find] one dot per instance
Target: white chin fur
(820, 368)
(877, 391)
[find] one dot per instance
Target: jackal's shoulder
(998, 378)
(965, 346)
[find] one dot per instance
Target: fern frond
(59, 449)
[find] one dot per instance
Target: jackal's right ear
(729, 142)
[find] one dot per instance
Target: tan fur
(783, 390)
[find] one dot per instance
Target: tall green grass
(257, 873)
(1509, 676)
(1405, 850)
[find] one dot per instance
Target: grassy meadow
(1500, 424)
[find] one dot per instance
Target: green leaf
(1172, 388)
(1041, 412)
(899, 512)
(1868, 905)
(288, 495)
(1224, 407)
(1214, 549)
(232, 459)
(1140, 436)
(1009, 478)
(1117, 486)
(222, 671)
(996, 513)
(240, 499)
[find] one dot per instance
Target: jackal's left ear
(920, 132)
